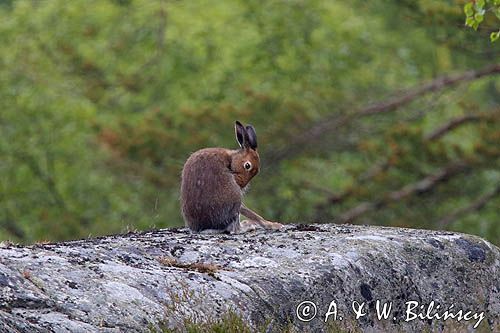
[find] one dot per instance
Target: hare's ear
(241, 134)
(252, 137)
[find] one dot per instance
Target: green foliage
(475, 11)
(100, 108)
(230, 323)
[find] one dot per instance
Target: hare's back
(207, 176)
(210, 197)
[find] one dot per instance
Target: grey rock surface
(143, 282)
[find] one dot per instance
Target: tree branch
(422, 186)
(334, 198)
(435, 85)
(46, 179)
(160, 39)
(384, 164)
(7, 222)
(333, 121)
(473, 207)
(452, 124)
(11, 227)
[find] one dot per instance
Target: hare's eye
(247, 165)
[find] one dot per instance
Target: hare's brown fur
(213, 184)
(212, 192)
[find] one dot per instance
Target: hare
(213, 183)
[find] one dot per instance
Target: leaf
(469, 21)
(468, 9)
(479, 18)
(494, 36)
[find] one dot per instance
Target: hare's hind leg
(270, 225)
(248, 225)
(234, 227)
(242, 227)
(238, 227)
(258, 220)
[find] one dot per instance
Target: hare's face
(245, 165)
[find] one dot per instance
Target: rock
(143, 282)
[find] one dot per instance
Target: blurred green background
(101, 102)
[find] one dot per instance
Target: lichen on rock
(143, 282)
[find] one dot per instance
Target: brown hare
(213, 184)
